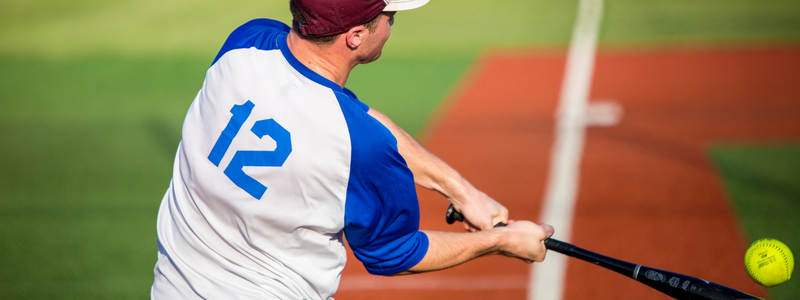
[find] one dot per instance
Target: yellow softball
(769, 262)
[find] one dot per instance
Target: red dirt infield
(648, 191)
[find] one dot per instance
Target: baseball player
(278, 161)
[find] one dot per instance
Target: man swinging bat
(278, 160)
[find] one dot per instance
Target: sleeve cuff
(412, 260)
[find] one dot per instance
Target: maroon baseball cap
(330, 17)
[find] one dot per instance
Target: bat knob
(453, 215)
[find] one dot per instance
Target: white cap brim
(398, 5)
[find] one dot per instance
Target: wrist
(499, 240)
(502, 240)
(457, 190)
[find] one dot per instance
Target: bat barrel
(681, 286)
(678, 286)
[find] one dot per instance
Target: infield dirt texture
(649, 193)
(705, 159)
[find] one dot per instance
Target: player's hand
(480, 211)
(525, 240)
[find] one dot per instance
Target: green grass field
(763, 182)
(93, 93)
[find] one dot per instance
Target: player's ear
(355, 36)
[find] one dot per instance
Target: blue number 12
(242, 158)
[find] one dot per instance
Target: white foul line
(547, 278)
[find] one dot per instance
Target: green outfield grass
(87, 149)
(93, 93)
(763, 182)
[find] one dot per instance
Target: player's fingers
(533, 240)
(548, 230)
(486, 224)
(501, 216)
(483, 220)
(541, 256)
(496, 215)
(468, 226)
(473, 228)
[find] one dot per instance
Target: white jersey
(275, 164)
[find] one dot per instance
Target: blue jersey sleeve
(355, 100)
(381, 209)
(259, 33)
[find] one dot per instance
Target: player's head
(321, 21)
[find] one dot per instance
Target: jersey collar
(300, 67)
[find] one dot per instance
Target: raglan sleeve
(355, 100)
(259, 33)
(381, 209)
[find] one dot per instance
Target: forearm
(520, 239)
(449, 249)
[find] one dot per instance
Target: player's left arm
(523, 240)
(480, 210)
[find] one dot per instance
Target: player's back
(255, 208)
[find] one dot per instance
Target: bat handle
(558, 246)
(565, 248)
(453, 215)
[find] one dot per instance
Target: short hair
(371, 25)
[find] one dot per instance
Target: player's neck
(328, 61)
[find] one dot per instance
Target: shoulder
(353, 98)
(259, 27)
(263, 34)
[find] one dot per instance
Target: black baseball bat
(678, 286)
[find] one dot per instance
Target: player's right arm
(480, 211)
(521, 239)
